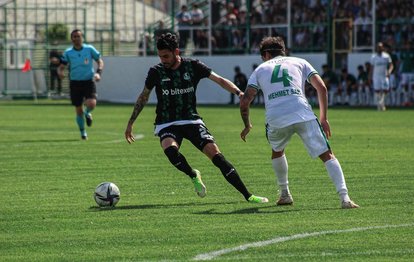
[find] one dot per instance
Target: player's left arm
(322, 92)
(226, 84)
(99, 69)
(245, 101)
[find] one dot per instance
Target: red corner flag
(27, 66)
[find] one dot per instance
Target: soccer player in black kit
(175, 80)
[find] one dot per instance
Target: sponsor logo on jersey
(177, 91)
(186, 76)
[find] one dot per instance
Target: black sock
(179, 161)
(230, 174)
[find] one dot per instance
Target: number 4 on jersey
(285, 78)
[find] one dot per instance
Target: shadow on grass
(261, 210)
(49, 140)
(158, 206)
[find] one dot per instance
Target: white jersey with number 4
(282, 80)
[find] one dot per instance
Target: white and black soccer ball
(107, 194)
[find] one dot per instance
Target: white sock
(280, 166)
(383, 99)
(337, 176)
(377, 98)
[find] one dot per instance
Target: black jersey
(176, 90)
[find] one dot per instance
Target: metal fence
(130, 28)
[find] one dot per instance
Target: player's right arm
(142, 100)
(245, 101)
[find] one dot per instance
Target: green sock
(81, 122)
(87, 110)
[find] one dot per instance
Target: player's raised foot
(285, 200)
(257, 199)
(349, 204)
(199, 187)
(88, 118)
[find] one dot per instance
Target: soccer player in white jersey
(282, 80)
(381, 68)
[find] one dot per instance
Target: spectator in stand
(318, 32)
(216, 7)
(160, 30)
(302, 37)
(364, 94)
(279, 12)
(259, 99)
(395, 91)
(364, 27)
(197, 19)
(407, 72)
(54, 62)
(330, 79)
(184, 21)
(240, 80)
(197, 15)
(348, 87)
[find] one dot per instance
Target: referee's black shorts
(81, 90)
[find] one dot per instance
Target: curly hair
(167, 41)
(274, 45)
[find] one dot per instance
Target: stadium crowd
(394, 27)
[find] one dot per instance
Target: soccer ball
(107, 194)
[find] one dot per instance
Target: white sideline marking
(214, 254)
(137, 137)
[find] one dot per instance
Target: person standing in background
(240, 80)
(364, 93)
(407, 73)
(395, 91)
(381, 68)
(184, 21)
(54, 62)
(79, 58)
(330, 79)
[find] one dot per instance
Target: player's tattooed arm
(142, 100)
(245, 102)
(139, 105)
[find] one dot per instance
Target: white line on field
(214, 254)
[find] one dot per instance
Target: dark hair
(167, 41)
(274, 45)
(74, 31)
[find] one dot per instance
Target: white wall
(124, 77)
(356, 59)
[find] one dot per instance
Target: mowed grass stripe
(48, 175)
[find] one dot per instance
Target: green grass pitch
(48, 175)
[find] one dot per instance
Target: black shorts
(197, 134)
(80, 90)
